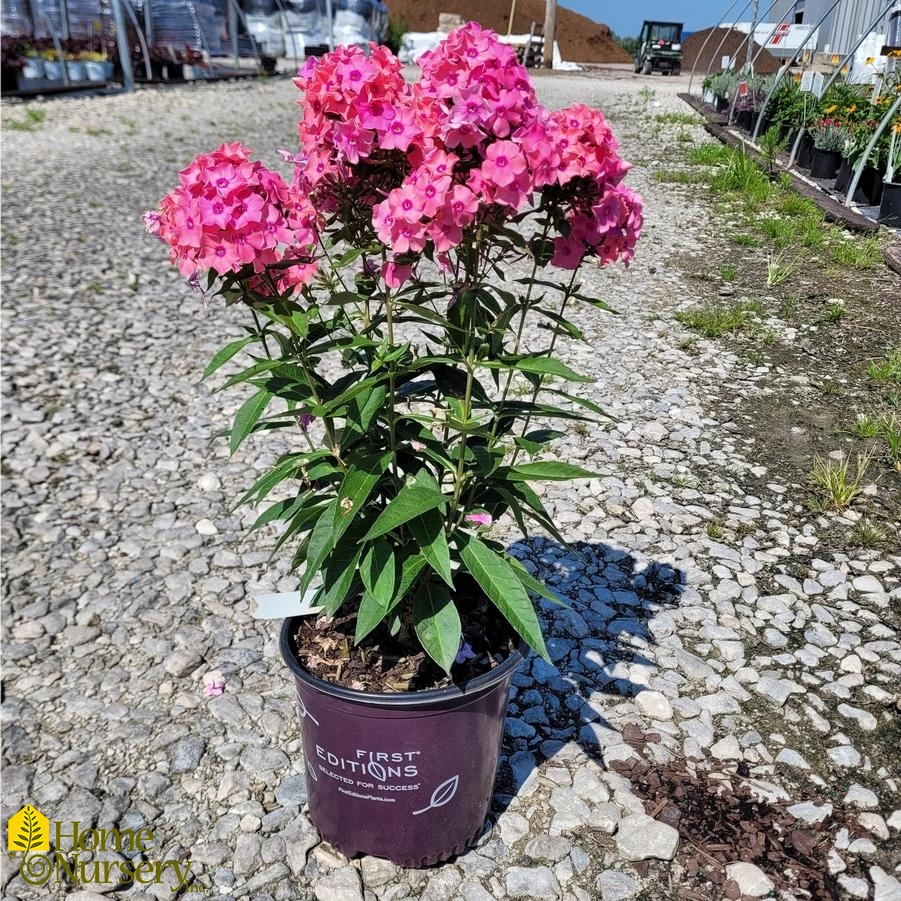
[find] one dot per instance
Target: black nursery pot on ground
(869, 187)
(825, 163)
(805, 151)
(890, 205)
(405, 776)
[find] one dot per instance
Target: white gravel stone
(206, 527)
(811, 813)
(885, 886)
(532, 882)
(864, 798)
(874, 823)
(751, 880)
(844, 756)
(854, 887)
(654, 705)
(639, 837)
(726, 749)
(612, 885)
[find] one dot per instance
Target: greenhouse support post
(707, 41)
(128, 75)
(848, 57)
(858, 171)
(783, 69)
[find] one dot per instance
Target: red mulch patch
(720, 821)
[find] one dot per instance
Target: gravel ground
(128, 581)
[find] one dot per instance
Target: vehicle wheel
(647, 68)
(677, 70)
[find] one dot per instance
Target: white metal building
(842, 27)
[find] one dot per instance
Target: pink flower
(213, 684)
(481, 519)
(395, 274)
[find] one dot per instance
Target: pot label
(381, 772)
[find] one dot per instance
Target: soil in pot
(825, 163)
(890, 204)
(384, 663)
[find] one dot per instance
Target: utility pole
(550, 32)
(751, 38)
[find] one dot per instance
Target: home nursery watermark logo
(72, 858)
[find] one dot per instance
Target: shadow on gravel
(599, 645)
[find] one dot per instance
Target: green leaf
(226, 353)
(437, 623)
(428, 530)
(247, 417)
(339, 577)
(369, 614)
(499, 581)
(411, 501)
(549, 366)
(378, 571)
(361, 477)
(321, 541)
(546, 471)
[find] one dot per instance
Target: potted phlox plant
(390, 286)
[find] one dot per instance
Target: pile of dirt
(581, 40)
(734, 45)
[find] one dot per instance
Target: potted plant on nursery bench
(890, 203)
(384, 342)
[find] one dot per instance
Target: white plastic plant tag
(281, 605)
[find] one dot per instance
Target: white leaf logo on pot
(302, 708)
(312, 771)
(442, 794)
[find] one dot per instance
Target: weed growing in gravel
(714, 529)
(859, 253)
(708, 154)
(678, 176)
(866, 533)
(646, 95)
(715, 320)
(887, 370)
(740, 174)
(834, 313)
(728, 273)
(779, 269)
(866, 426)
(746, 240)
(678, 119)
(834, 483)
(830, 388)
(34, 119)
(683, 137)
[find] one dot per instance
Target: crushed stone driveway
(128, 581)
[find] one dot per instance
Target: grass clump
(778, 269)
(888, 369)
(678, 119)
(715, 320)
(728, 273)
(856, 252)
(678, 176)
(34, 119)
(866, 534)
(740, 174)
(835, 483)
(709, 153)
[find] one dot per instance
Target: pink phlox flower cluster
(229, 211)
(416, 166)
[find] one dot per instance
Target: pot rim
(398, 699)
